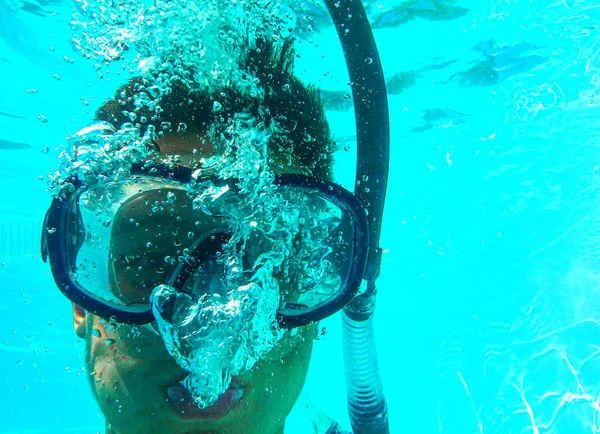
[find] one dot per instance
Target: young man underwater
(141, 256)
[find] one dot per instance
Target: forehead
(189, 146)
(193, 145)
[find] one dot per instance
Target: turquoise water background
(487, 319)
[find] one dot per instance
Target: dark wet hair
(302, 136)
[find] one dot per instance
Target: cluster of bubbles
(98, 154)
(200, 44)
(197, 43)
(219, 335)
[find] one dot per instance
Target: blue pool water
(487, 319)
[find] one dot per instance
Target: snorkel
(366, 403)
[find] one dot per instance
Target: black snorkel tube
(366, 403)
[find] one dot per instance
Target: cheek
(291, 347)
(277, 382)
(127, 388)
(108, 376)
(284, 370)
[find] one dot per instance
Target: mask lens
(128, 237)
(317, 246)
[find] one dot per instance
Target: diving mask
(112, 244)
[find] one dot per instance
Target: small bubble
(181, 128)
(365, 178)
(217, 106)
(96, 333)
(109, 341)
(107, 223)
(346, 148)
(190, 235)
(56, 77)
(45, 150)
(368, 60)
(42, 118)
(51, 230)
(346, 31)
(149, 244)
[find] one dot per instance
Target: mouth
(185, 408)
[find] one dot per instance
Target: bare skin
(130, 368)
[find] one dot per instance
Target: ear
(79, 321)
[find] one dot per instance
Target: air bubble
(217, 106)
(45, 150)
(96, 333)
(42, 118)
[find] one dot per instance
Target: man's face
(136, 381)
(131, 373)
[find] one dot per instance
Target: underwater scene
(300, 216)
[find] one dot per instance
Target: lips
(185, 408)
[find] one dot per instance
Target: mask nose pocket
(163, 301)
(201, 267)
